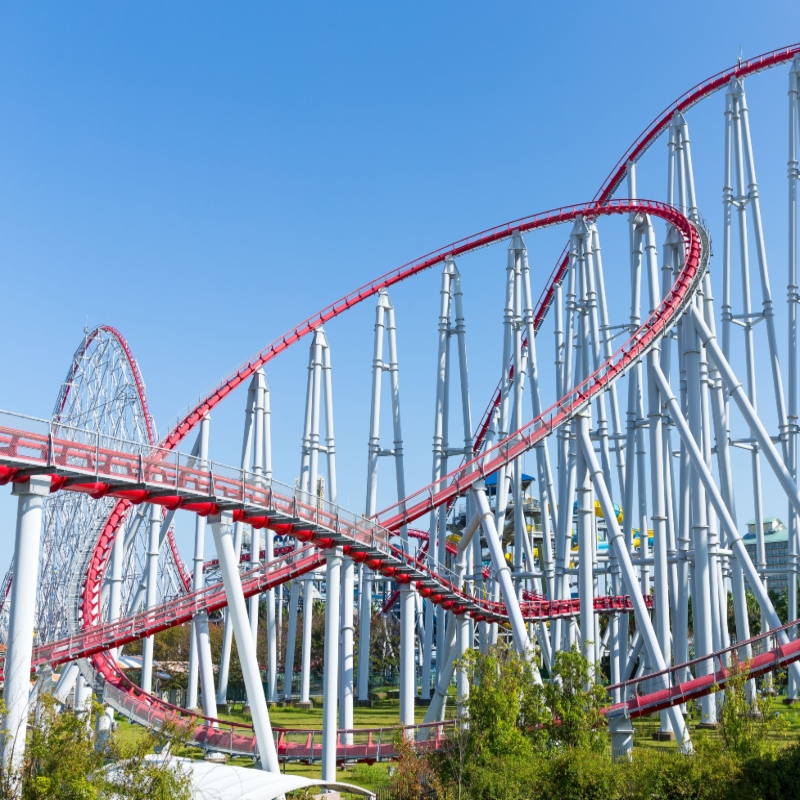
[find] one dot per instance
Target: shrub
(63, 761)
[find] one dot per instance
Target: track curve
(640, 145)
(386, 558)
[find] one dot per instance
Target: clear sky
(204, 176)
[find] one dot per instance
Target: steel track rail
(159, 480)
(634, 152)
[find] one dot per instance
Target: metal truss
(635, 445)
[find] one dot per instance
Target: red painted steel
(641, 144)
(101, 638)
(682, 690)
(151, 434)
(245, 371)
(109, 472)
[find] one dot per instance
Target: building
(776, 547)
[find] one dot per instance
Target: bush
(523, 740)
(64, 761)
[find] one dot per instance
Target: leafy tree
(59, 757)
(384, 646)
(505, 706)
(744, 723)
(412, 774)
(753, 612)
(64, 760)
(133, 776)
(575, 702)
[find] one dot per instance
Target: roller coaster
(637, 516)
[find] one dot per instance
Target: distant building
(776, 547)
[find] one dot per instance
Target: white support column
(436, 708)
(269, 556)
(701, 590)
(82, 699)
(453, 642)
(503, 573)
(146, 681)
(346, 656)
(439, 433)
(589, 641)
(291, 640)
(115, 583)
(385, 323)
(229, 567)
(303, 485)
(30, 505)
(373, 457)
(258, 472)
(617, 541)
(331, 677)
(272, 634)
(305, 655)
(792, 299)
(438, 554)
(408, 599)
(318, 344)
(66, 682)
(660, 567)
(734, 537)
(200, 642)
(761, 256)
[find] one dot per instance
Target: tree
(575, 718)
(384, 646)
(516, 729)
(65, 761)
(753, 613)
(743, 723)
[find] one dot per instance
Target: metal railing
(705, 674)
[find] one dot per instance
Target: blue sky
(203, 176)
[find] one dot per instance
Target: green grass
(383, 713)
(786, 731)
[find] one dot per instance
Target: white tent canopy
(222, 782)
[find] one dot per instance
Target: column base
(421, 701)
(664, 736)
(706, 726)
(306, 705)
(790, 701)
(223, 708)
(363, 703)
(246, 711)
(621, 734)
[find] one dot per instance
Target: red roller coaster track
(100, 472)
(513, 445)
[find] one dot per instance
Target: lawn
(383, 713)
(786, 728)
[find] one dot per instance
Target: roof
(769, 537)
(773, 522)
(223, 782)
(492, 479)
